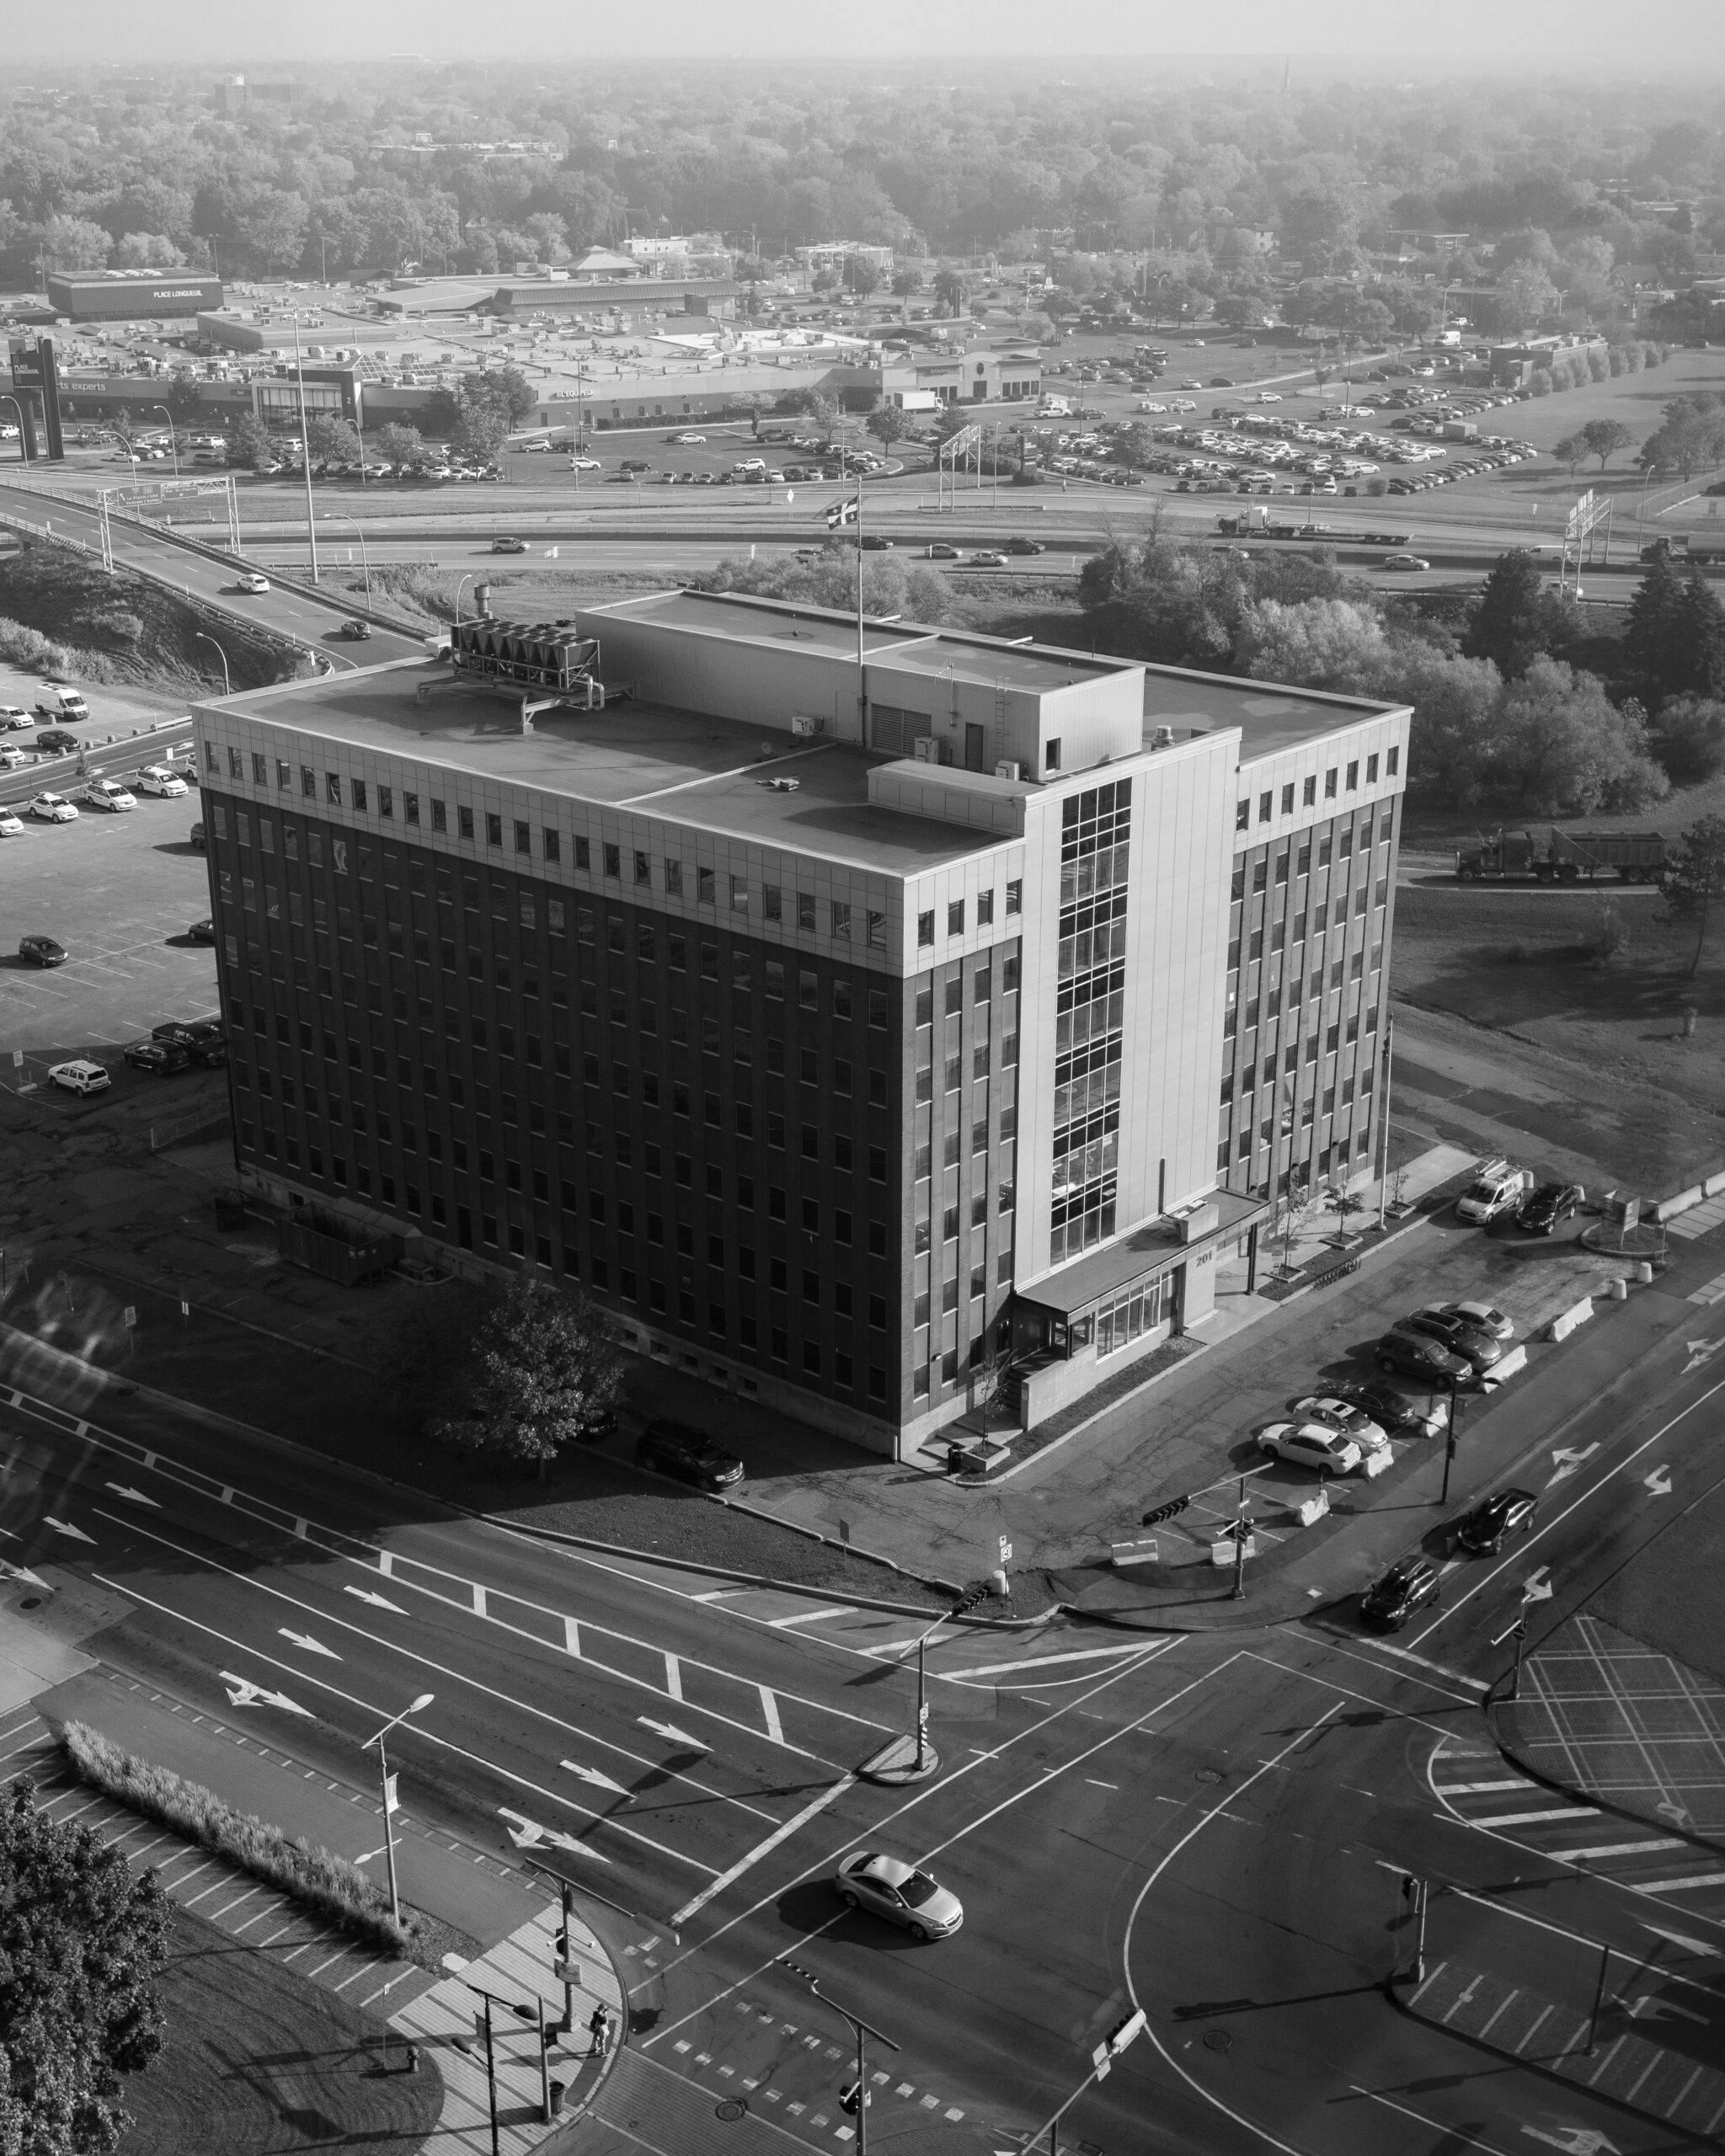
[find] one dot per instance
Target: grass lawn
(257, 2059)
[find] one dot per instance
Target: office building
(844, 1022)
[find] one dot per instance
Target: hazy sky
(1587, 37)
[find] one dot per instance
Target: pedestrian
(599, 2029)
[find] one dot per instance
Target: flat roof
(1270, 718)
(748, 619)
(690, 766)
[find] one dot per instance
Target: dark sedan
(1418, 1355)
(1391, 1409)
(1540, 1212)
(689, 1455)
(1483, 1532)
(158, 1058)
(1021, 546)
(202, 931)
(1472, 1342)
(1403, 1591)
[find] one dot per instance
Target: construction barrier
(1565, 1323)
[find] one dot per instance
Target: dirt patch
(258, 2059)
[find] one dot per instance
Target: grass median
(327, 1885)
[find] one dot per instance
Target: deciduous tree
(1515, 619)
(1604, 438)
(533, 1369)
(1560, 746)
(1694, 881)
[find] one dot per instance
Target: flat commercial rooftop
(928, 651)
(1270, 720)
(688, 765)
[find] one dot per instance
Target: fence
(187, 1129)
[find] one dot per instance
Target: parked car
(15, 720)
(899, 1892)
(158, 1058)
(1393, 1410)
(41, 950)
(80, 1076)
(10, 757)
(1479, 1349)
(1482, 1532)
(251, 582)
(1484, 1317)
(689, 1455)
(685, 441)
(202, 1038)
(585, 464)
(197, 837)
(1311, 1444)
(1418, 1355)
(1497, 1188)
(202, 931)
(53, 808)
(56, 741)
(1403, 1591)
(161, 779)
(1336, 1413)
(106, 793)
(1540, 1212)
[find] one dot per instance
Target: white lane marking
(673, 1677)
(572, 1638)
(1040, 1660)
(1679, 1886)
(1425, 1661)
(805, 1617)
(1449, 2133)
(769, 1708)
(1627, 1849)
(762, 1848)
(1532, 1819)
(1479, 1789)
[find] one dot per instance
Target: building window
(1352, 776)
(613, 860)
(841, 913)
(1015, 897)
(1051, 756)
(1308, 792)
(955, 917)
(494, 828)
(925, 930)
(464, 817)
(703, 887)
(1371, 771)
(740, 895)
(1266, 803)
(1393, 762)
(1330, 783)
(1288, 799)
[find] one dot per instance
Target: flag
(390, 1796)
(551, 553)
(845, 512)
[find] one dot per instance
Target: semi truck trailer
(1564, 857)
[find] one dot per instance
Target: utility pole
(854, 2100)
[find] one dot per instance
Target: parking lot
(120, 892)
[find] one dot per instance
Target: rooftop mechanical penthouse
(847, 1013)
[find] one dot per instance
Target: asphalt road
(1213, 1825)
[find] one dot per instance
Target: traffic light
(1165, 1511)
(852, 2099)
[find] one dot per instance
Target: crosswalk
(1518, 1809)
(1698, 1219)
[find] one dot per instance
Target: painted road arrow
(593, 1775)
(1699, 1351)
(377, 1601)
(243, 1693)
(135, 1496)
(65, 1527)
(1575, 2141)
(1536, 1587)
(672, 1735)
(23, 1573)
(1658, 1483)
(1567, 1462)
(528, 1834)
(311, 1645)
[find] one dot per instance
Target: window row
(1308, 789)
(956, 912)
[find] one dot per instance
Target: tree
(950, 290)
(401, 447)
(1649, 627)
(1569, 452)
(1525, 294)
(249, 443)
(149, 251)
(1695, 879)
(1516, 619)
(1689, 739)
(1562, 748)
(533, 1371)
(75, 243)
(904, 282)
(331, 439)
(1320, 643)
(888, 423)
(1696, 657)
(861, 276)
(1689, 436)
(83, 1940)
(1604, 438)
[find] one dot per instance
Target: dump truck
(1565, 856)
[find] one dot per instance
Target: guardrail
(185, 1128)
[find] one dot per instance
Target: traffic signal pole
(1101, 2060)
(861, 2030)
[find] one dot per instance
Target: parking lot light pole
(365, 560)
(201, 636)
(172, 443)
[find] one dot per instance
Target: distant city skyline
(1579, 39)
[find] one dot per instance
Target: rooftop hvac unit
(805, 728)
(1007, 768)
(1162, 737)
(926, 749)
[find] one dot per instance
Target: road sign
(131, 1317)
(1006, 1550)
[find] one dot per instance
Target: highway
(1213, 1826)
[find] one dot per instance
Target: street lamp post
(459, 590)
(364, 559)
(1451, 1429)
(23, 454)
(299, 371)
(172, 440)
(861, 2030)
(424, 1700)
(203, 637)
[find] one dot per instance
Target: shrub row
(329, 1885)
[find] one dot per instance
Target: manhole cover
(732, 2108)
(31, 1601)
(1217, 2040)
(1208, 1775)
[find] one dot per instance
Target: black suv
(1545, 1205)
(156, 1057)
(203, 1040)
(688, 1456)
(1406, 1588)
